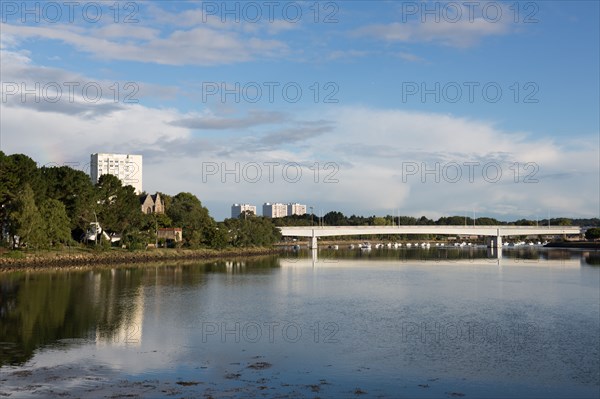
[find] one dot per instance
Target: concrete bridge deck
(492, 231)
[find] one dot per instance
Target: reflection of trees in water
(592, 258)
(38, 309)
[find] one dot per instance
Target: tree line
(335, 218)
(44, 207)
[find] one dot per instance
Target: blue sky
(361, 124)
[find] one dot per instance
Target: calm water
(387, 323)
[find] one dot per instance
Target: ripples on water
(389, 323)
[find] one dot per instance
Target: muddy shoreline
(78, 260)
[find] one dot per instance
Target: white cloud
(366, 149)
(197, 46)
(344, 54)
(410, 57)
(462, 30)
(210, 121)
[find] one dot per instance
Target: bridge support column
(313, 241)
(495, 242)
(494, 252)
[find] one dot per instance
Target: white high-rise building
(275, 210)
(127, 167)
(296, 209)
(237, 209)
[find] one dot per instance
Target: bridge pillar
(495, 242)
(498, 241)
(313, 241)
(494, 252)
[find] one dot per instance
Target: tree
(25, 220)
(525, 222)
(378, 221)
(407, 220)
(75, 190)
(118, 206)
(485, 221)
(186, 211)
(593, 233)
(246, 214)
(16, 170)
(8, 180)
(218, 237)
(451, 221)
(334, 218)
(564, 222)
(425, 221)
(23, 170)
(56, 222)
(252, 232)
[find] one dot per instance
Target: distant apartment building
(296, 209)
(237, 209)
(275, 210)
(127, 167)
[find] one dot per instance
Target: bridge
(495, 232)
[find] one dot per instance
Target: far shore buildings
(237, 209)
(275, 210)
(296, 209)
(170, 234)
(279, 210)
(127, 167)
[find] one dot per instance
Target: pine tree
(26, 221)
(56, 221)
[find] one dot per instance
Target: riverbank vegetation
(52, 207)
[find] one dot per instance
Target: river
(391, 323)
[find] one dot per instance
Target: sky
(428, 108)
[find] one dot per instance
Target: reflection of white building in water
(129, 330)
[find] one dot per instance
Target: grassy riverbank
(77, 257)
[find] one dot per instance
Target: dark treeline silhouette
(335, 218)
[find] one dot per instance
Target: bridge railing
(428, 229)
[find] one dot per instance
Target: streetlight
(311, 216)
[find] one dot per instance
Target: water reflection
(37, 309)
(105, 306)
(384, 319)
(498, 256)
